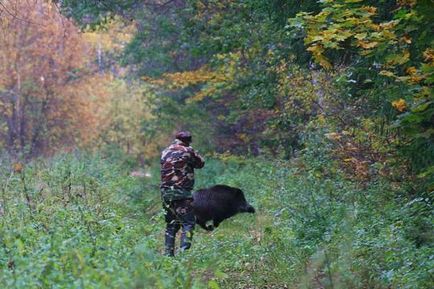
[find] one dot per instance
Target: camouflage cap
(184, 136)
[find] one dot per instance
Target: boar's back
(219, 201)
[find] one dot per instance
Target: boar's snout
(248, 209)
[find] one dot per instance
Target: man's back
(178, 162)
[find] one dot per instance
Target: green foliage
(74, 222)
(395, 44)
(320, 228)
(79, 220)
(380, 52)
(95, 14)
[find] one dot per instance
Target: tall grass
(81, 221)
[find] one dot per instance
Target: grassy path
(82, 222)
(77, 223)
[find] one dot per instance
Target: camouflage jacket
(178, 162)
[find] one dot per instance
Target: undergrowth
(81, 221)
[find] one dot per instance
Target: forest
(321, 111)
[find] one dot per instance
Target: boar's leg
(216, 222)
(203, 225)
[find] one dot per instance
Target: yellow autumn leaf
(410, 3)
(387, 73)
(411, 70)
(389, 25)
(406, 39)
(428, 55)
(366, 44)
(398, 59)
(400, 105)
(360, 36)
(416, 78)
(324, 62)
(202, 94)
(370, 9)
(317, 51)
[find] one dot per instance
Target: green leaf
(422, 107)
(212, 284)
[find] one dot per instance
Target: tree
(388, 49)
(46, 97)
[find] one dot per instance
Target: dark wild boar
(218, 203)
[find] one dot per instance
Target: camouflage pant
(179, 213)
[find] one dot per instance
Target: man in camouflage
(178, 162)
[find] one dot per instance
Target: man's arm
(197, 160)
